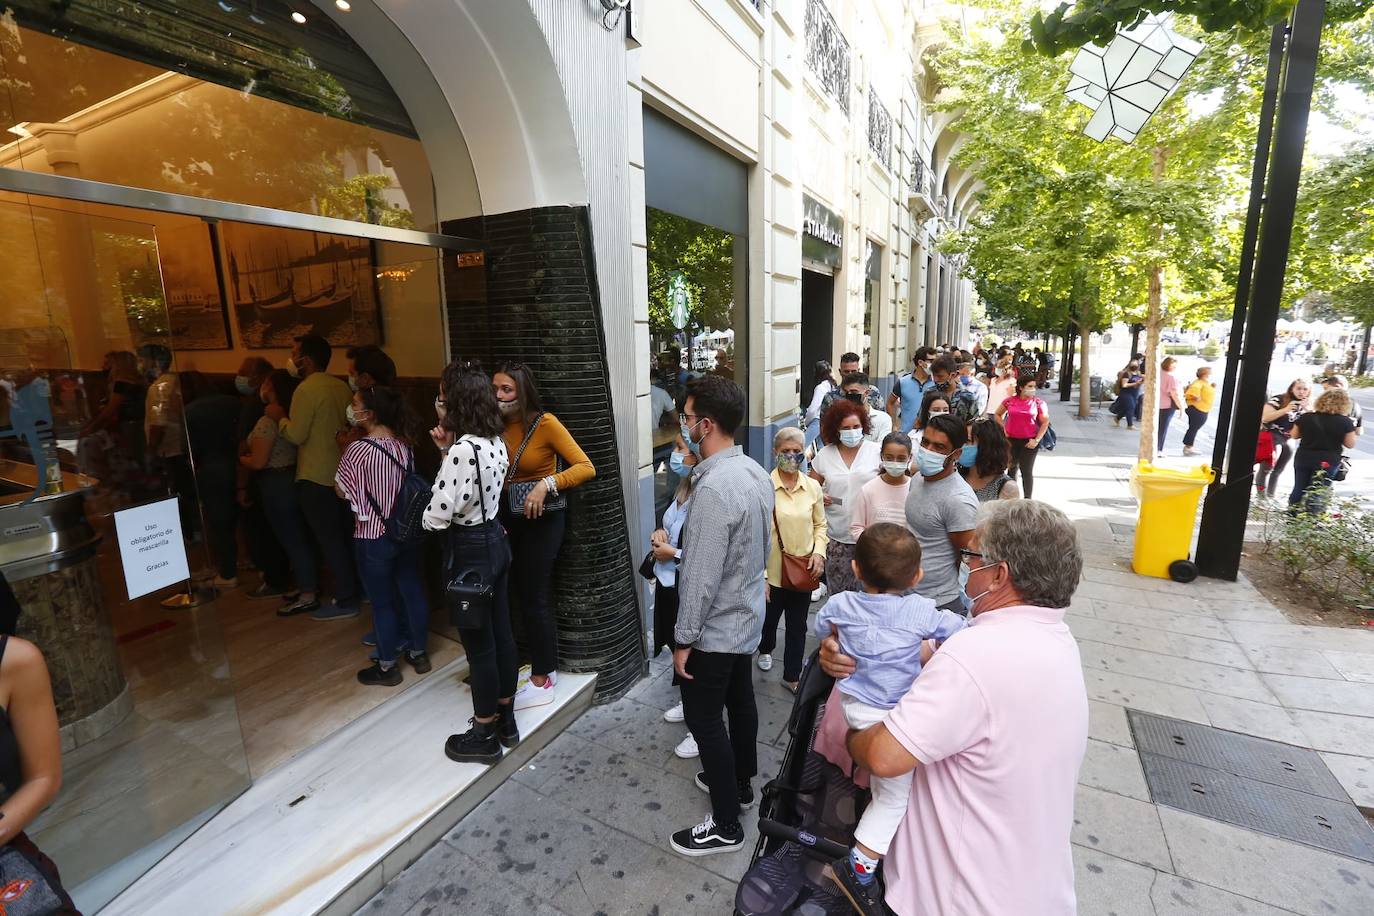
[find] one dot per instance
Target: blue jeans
(277, 487)
(1311, 487)
(390, 570)
(813, 429)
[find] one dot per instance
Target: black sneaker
(746, 791)
(271, 591)
(866, 899)
(706, 839)
(476, 745)
(299, 606)
(507, 732)
(377, 676)
(419, 661)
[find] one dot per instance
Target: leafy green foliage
(1071, 230)
(1330, 556)
(1333, 239)
(1071, 26)
(706, 257)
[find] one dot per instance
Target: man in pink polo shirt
(995, 728)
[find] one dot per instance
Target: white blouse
(843, 483)
(471, 477)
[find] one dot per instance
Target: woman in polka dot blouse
(465, 502)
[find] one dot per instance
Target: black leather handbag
(469, 593)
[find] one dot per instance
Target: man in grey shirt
(721, 603)
(941, 510)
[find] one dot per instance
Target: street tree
(1102, 232)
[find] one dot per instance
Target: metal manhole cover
(1327, 824)
(1267, 786)
(1123, 530)
(1244, 755)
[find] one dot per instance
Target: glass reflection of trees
(705, 255)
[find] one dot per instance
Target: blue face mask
(695, 447)
(789, 462)
(929, 463)
(243, 384)
(677, 462)
(968, 456)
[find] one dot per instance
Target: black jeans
(268, 554)
(791, 607)
(1166, 415)
(534, 544)
(331, 522)
(665, 615)
(216, 484)
(492, 662)
(1196, 420)
(723, 681)
(1023, 460)
(1268, 474)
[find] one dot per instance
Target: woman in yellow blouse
(1199, 397)
(534, 516)
(799, 513)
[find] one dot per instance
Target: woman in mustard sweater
(533, 511)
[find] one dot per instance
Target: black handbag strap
(482, 500)
(406, 469)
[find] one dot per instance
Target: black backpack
(405, 524)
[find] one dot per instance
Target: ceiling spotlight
(343, 5)
(298, 18)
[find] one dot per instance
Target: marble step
(325, 831)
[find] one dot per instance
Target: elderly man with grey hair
(995, 728)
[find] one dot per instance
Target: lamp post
(1222, 533)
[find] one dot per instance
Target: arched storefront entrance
(182, 192)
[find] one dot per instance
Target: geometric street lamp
(1126, 82)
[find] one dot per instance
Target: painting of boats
(288, 282)
(196, 317)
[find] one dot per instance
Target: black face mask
(854, 396)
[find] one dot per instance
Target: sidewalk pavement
(584, 828)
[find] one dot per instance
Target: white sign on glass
(151, 547)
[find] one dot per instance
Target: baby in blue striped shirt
(882, 629)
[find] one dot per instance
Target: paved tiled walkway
(584, 828)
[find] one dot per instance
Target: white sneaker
(688, 748)
(765, 662)
(1189, 450)
(674, 715)
(819, 594)
(530, 695)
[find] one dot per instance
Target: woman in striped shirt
(370, 474)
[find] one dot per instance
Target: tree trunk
(1154, 320)
(1363, 358)
(1085, 382)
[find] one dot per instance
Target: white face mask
(895, 468)
(851, 437)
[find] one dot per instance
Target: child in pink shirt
(883, 499)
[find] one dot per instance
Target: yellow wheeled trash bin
(1168, 500)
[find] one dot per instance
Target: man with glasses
(994, 731)
(721, 603)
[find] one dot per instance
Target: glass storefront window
(233, 102)
(711, 265)
(167, 714)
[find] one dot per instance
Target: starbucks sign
(679, 299)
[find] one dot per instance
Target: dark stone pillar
(536, 301)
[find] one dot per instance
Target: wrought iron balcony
(879, 129)
(827, 53)
(921, 196)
